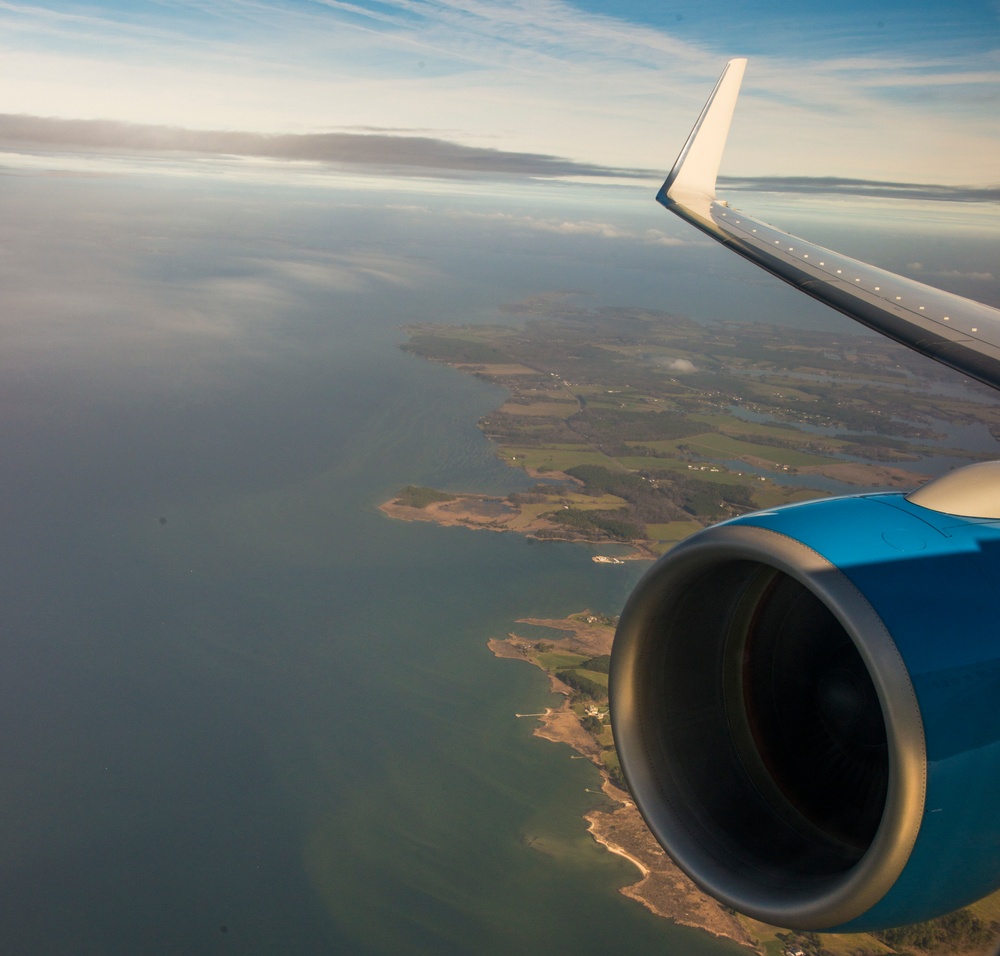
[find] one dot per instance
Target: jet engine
(806, 705)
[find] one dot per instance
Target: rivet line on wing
(859, 280)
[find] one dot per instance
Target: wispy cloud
(124, 281)
(952, 273)
(602, 230)
(344, 271)
(543, 30)
(590, 228)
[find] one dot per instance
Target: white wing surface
(951, 329)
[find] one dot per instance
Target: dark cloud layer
(419, 155)
(833, 186)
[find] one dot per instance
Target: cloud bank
(391, 153)
(872, 188)
(372, 151)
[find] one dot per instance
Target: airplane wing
(951, 329)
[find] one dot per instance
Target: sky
(885, 91)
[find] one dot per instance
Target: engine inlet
(767, 728)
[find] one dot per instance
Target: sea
(241, 710)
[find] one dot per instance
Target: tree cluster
(609, 523)
(600, 664)
(593, 725)
(415, 496)
(582, 685)
(954, 931)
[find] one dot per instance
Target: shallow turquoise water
(243, 711)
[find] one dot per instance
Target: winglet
(692, 180)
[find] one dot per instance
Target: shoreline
(498, 513)
(660, 887)
(595, 831)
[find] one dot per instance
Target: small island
(641, 427)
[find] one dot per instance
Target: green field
(541, 409)
(610, 760)
(631, 403)
(592, 502)
(648, 463)
(726, 447)
(596, 676)
(757, 430)
(554, 661)
(672, 531)
(555, 457)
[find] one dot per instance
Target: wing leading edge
(949, 328)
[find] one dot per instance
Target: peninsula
(642, 427)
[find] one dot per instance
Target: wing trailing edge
(958, 332)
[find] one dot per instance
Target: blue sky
(892, 91)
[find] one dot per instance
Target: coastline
(601, 837)
(494, 513)
(661, 887)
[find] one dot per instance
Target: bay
(243, 711)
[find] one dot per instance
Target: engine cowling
(806, 705)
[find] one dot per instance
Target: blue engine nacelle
(806, 705)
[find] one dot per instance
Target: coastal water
(242, 711)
